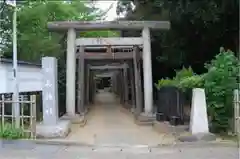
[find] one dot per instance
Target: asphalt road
(74, 152)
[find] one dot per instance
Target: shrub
(184, 73)
(219, 83)
(180, 74)
(165, 82)
(195, 81)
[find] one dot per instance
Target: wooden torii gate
(90, 69)
(122, 79)
(72, 27)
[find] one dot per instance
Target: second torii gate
(71, 27)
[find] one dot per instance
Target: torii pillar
(147, 71)
(71, 72)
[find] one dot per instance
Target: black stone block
(160, 117)
(174, 120)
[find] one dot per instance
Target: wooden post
(81, 81)
(137, 81)
(88, 82)
(90, 86)
(122, 88)
(131, 72)
(126, 87)
(78, 85)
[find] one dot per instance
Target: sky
(104, 5)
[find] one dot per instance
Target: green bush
(180, 74)
(165, 82)
(195, 81)
(183, 73)
(9, 132)
(219, 83)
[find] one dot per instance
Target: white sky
(104, 5)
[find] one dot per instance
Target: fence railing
(27, 104)
(236, 111)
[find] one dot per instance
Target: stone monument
(51, 126)
(199, 129)
(199, 118)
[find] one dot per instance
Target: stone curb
(177, 145)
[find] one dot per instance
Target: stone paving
(62, 152)
(107, 124)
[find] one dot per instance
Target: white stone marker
(199, 118)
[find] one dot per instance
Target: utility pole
(16, 108)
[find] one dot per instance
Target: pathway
(107, 124)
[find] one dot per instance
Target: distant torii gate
(71, 27)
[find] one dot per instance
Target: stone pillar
(50, 91)
(147, 72)
(71, 73)
(51, 127)
(199, 118)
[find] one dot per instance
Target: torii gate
(72, 27)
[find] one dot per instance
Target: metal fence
(27, 104)
(236, 111)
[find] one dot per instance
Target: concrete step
(144, 123)
(146, 118)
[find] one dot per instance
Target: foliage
(34, 39)
(220, 81)
(198, 28)
(9, 132)
(165, 82)
(105, 33)
(180, 74)
(195, 81)
(183, 73)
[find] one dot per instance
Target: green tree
(34, 39)
(197, 27)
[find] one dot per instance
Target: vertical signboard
(50, 91)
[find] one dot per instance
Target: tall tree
(197, 27)
(34, 39)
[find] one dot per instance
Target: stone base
(77, 119)
(165, 127)
(60, 130)
(146, 117)
(198, 137)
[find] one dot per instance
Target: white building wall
(2, 78)
(29, 78)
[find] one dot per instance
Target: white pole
(147, 72)
(15, 70)
(70, 73)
